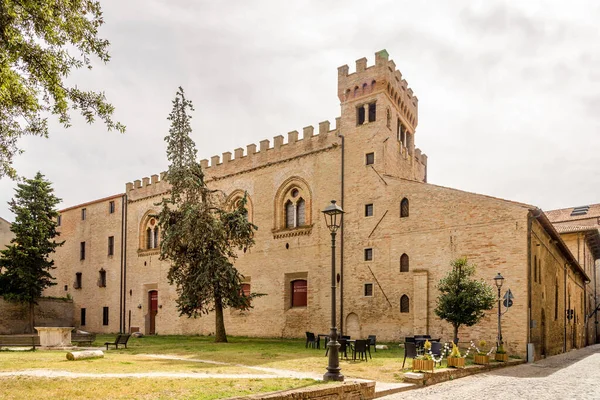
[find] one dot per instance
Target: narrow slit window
(301, 213)
(404, 304)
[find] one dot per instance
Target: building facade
(398, 239)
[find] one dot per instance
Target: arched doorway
(352, 326)
(152, 311)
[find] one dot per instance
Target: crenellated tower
(380, 115)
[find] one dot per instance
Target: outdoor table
(319, 336)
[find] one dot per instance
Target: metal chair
(372, 342)
(311, 340)
(361, 347)
(343, 348)
(436, 350)
(410, 350)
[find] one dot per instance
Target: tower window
(77, 284)
(59, 220)
(360, 115)
(111, 245)
(372, 112)
(370, 158)
(368, 210)
(82, 323)
(104, 315)
(404, 304)
(155, 244)
(83, 214)
(111, 207)
(404, 263)
(82, 251)
(102, 278)
(368, 254)
(368, 289)
(404, 208)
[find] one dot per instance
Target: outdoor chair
(122, 338)
(361, 347)
(410, 351)
(436, 350)
(345, 337)
(311, 340)
(372, 342)
(343, 348)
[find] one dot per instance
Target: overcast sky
(509, 92)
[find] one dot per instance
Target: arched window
(292, 206)
(290, 215)
(149, 238)
(155, 244)
(301, 212)
(404, 263)
(404, 208)
(299, 291)
(404, 304)
(234, 201)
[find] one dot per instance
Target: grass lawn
(239, 354)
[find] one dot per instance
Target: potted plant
(501, 354)
(455, 359)
(481, 358)
(424, 362)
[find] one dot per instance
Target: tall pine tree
(199, 235)
(25, 264)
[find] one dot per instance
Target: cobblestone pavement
(573, 375)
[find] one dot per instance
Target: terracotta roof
(565, 214)
(574, 228)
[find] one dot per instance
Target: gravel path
(573, 375)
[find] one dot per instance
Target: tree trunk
(455, 332)
(220, 334)
(31, 317)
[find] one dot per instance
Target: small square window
(368, 289)
(83, 214)
(368, 210)
(370, 158)
(111, 207)
(368, 254)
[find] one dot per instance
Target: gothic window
(292, 207)
(155, 244)
(301, 212)
(404, 304)
(299, 292)
(404, 208)
(289, 214)
(148, 238)
(235, 200)
(404, 263)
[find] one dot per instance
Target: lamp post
(333, 218)
(499, 280)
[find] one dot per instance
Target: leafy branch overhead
(41, 43)
(200, 232)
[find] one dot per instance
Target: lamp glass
(499, 280)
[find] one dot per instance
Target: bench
(122, 338)
(19, 341)
(82, 338)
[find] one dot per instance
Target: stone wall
(6, 234)
(48, 312)
(345, 391)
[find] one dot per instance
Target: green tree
(462, 300)
(199, 236)
(41, 42)
(25, 264)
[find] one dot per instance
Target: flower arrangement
(501, 354)
(482, 344)
(455, 352)
(427, 353)
(481, 358)
(455, 359)
(500, 350)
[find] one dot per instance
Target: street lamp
(499, 280)
(333, 218)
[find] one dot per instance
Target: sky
(509, 92)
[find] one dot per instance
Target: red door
(153, 310)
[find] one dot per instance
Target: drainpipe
(565, 311)
(342, 245)
(123, 327)
(529, 314)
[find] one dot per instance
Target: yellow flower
(427, 345)
(482, 343)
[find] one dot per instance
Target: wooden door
(152, 310)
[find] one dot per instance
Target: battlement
(380, 77)
(220, 166)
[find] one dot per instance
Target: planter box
(502, 357)
(423, 365)
(482, 360)
(456, 362)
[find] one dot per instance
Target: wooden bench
(122, 338)
(19, 341)
(83, 338)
